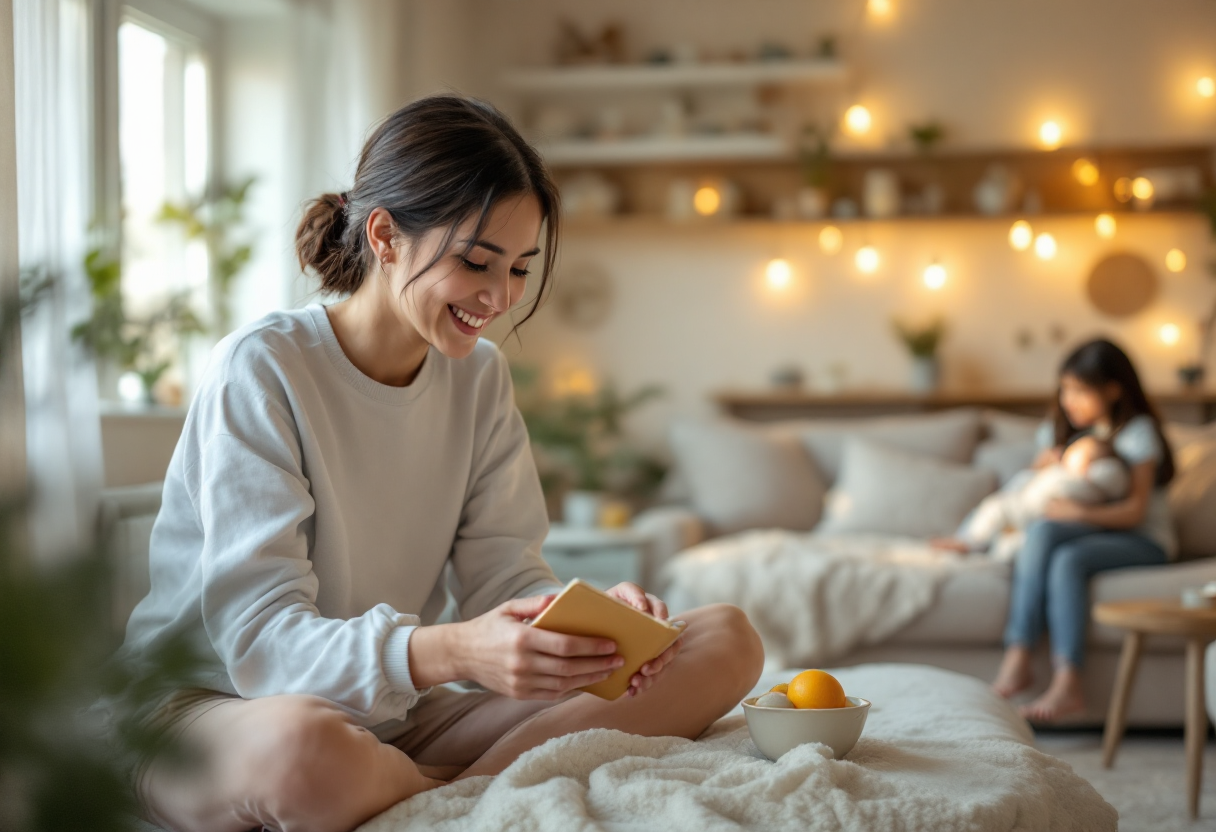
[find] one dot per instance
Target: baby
(1088, 472)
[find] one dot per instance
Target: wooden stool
(1161, 617)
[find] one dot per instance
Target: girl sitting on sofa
(1099, 395)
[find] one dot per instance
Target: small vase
(925, 373)
(581, 509)
(811, 203)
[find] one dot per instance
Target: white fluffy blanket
(939, 753)
(813, 598)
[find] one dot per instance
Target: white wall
(690, 309)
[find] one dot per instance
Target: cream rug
(939, 752)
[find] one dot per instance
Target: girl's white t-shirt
(311, 516)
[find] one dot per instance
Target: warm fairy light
(1050, 135)
(1105, 225)
(857, 120)
(867, 259)
(1085, 171)
(1175, 260)
(1169, 334)
(1205, 86)
(577, 382)
(1123, 189)
(830, 239)
(778, 273)
(879, 8)
(935, 276)
(706, 201)
(1142, 188)
(1021, 235)
(1045, 246)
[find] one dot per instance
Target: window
(164, 157)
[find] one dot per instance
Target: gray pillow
(1193, 499)
(1005, 457)
(744, 477)
(950, 435)
(886, 490)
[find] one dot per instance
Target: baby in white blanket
(1088, 472)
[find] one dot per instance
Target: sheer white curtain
(54, 151)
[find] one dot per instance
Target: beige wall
(691, 311)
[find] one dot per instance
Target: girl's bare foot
(1062, 699)
(1014, 675)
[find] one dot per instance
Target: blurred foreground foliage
(60, 767)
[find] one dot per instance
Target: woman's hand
(1067, 511)
(502, 653)
(636, 597)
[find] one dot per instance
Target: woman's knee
(726, 637)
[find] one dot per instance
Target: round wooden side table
(1161, 617)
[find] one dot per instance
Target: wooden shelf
(673, 76)
(641, 150)
(1191, 406)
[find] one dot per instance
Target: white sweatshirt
(309, 511)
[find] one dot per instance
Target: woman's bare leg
(1064, 697)
(719, 663)
(290, 763)
(1015, 674)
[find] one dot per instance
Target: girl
(1099, 395)
(338, 466)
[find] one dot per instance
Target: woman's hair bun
(321, 244)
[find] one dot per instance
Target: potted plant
(815, 158)
(922, 342)
(582, 455)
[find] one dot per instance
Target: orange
(816, 689)
(781, 688)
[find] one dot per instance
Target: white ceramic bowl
(777, 730)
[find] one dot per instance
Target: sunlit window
(163, 131)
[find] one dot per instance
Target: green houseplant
(579, 442)
(922, 343)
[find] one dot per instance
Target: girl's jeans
(1051, 581)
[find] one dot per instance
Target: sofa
(732, 476)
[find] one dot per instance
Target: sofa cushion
(950, 435)
(1007, 427)
(887, 490)
(1165, 581)
(1005, 457)
(745, 477)
(1193, 499)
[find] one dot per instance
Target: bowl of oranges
(812, 707)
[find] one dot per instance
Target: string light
(1169, 334)
(1085, 171)
(1175, 260)
(1021, 235)
(1142, 188)
(867, 259)
(1105, 225)
(1050, 135)
(857, 120)
(706, 201)
(935, 276)
(879, 8)
(1045, 246)
(778, 274)
(1206, 86)
(830, 239)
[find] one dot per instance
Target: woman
(1099, 394)
(336, 464)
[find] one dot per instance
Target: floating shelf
(742, 147)
(675, 76)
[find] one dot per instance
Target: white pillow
(744, 477)
(1193, 499)
(1006, 427)
(950, 435)
(886, 490)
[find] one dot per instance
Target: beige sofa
(733, 476)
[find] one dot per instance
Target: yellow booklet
(582, 610)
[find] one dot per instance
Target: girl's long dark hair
(1097, 364)
(433, 164)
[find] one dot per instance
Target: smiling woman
(337, 464)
